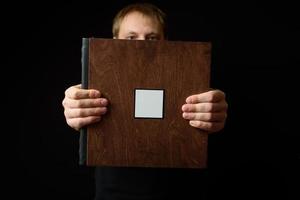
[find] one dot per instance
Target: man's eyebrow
(153, 33)
(131, 32)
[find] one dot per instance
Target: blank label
(149, 103)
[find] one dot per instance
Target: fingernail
(104, 101)
(184, 115)
(94, 94)
(188, 100)
(97, 93)
(192, 123)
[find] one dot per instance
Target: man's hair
(146, 9)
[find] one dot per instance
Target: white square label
(148, 103)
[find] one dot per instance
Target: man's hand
(83, 106)
(207, 111)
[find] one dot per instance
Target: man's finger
(205, 107)
(207, 117)
(208, 126)
(78, 123)
(75, 92)
(85, 103)
(85, 112)
(210, 96)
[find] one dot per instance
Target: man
(206, 111)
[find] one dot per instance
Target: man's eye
(131, 37)
(152, 38)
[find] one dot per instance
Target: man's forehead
(139, 17)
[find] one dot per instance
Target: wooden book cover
(120, 69)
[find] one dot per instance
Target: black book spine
(84, 85)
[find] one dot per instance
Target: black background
(255, 61)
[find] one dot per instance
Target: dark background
(255, 59)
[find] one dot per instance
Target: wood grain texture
(116, 68)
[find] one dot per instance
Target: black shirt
(122, 183)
